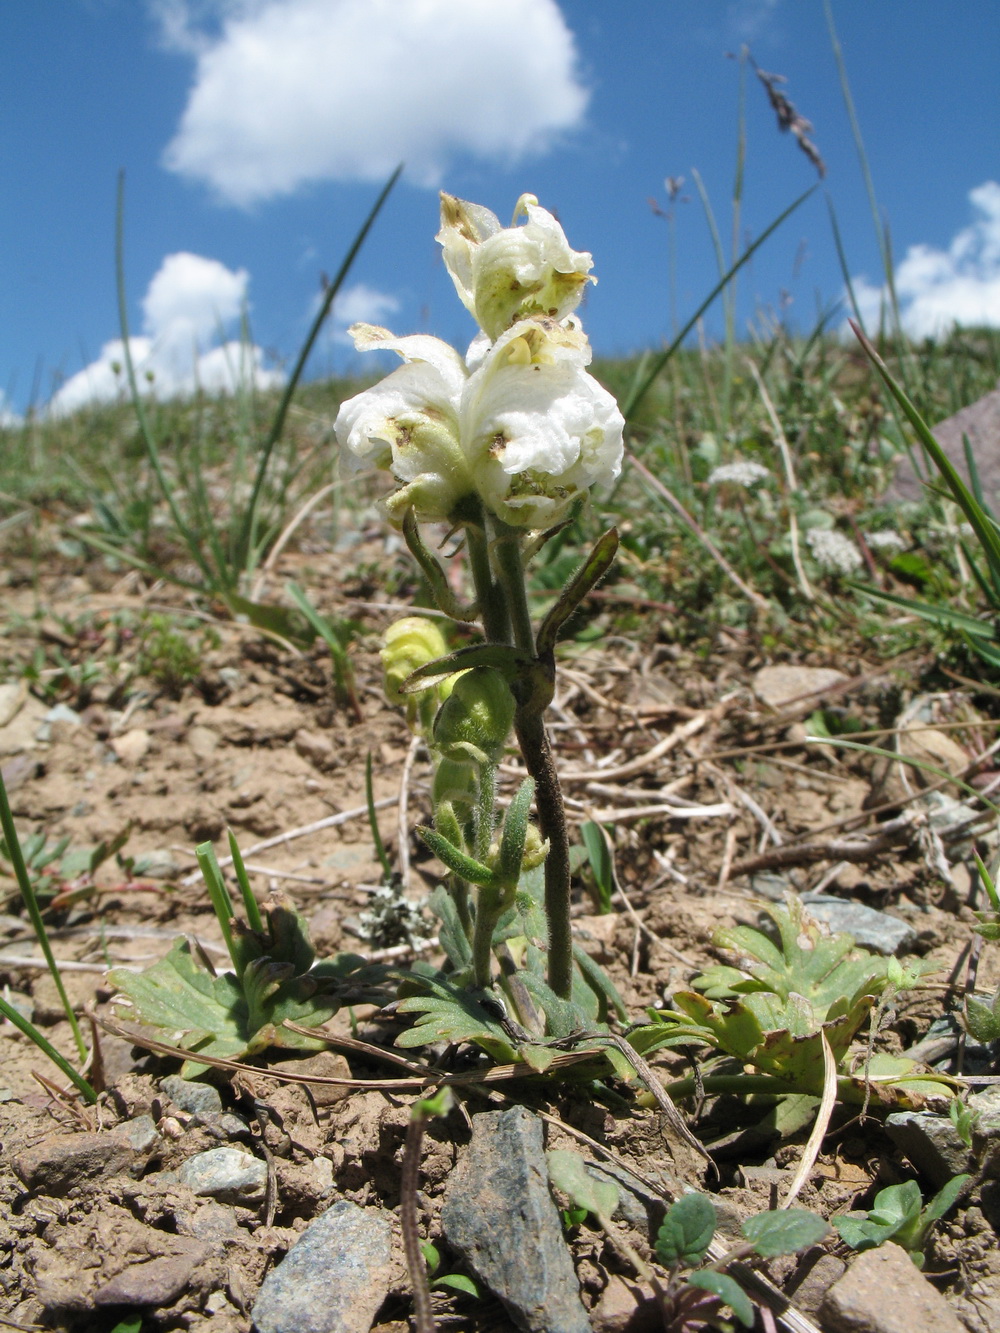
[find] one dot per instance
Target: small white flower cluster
(739, 473)
(833, 551)
(887, 540)
(518, 423)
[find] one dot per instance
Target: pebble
(883, 1291)
(499, 1215)
(61, 1161)
(932, 1144)
(160, 863)
(785, 684)
(334, 1278)
(872, 930)
(227, 1174)
(132, 746)
(154, 1282)
(207, 1220)
(12, 696)
(193, 1097)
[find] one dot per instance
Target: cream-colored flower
(520, 424)
(506, 274)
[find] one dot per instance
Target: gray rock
(883, 1291)
(227, 1174)
(139, 1133)
(872, 930)
(61, 1161)
(932, 1144)
(636, 1205)
(154, 1282)
(786, 684)
(207, 1220)
(194, 1098)
(160, 863)
(333, 1279)
(501, 1218)
(981, 422)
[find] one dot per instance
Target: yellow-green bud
(536, 849)
(476, 719)
(409, 643)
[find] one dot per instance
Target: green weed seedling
(901, 1216)
(775, 1009)
(682, 1243)
(688, 1299)
(14, 854)
(275, 979)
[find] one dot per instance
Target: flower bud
(409, 643)
(476, 718)
(504, 274)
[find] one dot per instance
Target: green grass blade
(61, 1063)
(640, 390)
(380, 852)
(986, 531)
(278, 425)
(343, 673)
(24, 883)
(222, 904)
(254, 919)
(922, 764)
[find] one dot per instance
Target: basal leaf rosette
(506, 274)
(520, 424)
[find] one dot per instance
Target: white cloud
(188, 306)
(289, 92)
(940, 288)
(8, 417)
(360, 304)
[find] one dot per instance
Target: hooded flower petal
(408, 423)
(504, 274)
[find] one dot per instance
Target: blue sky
(254, 134)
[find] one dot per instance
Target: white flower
(742, 474)
(833, 551)
(505, 274)
(887, 540)
(520, 424)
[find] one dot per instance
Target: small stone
(501, 1218)
(158, 864)
(814, 1278)
(139, 1133)
(872, 930)
(883, 1291)
(203, 741)
(625, 1308)
(333, 1279)
(21, 732)
(207, 1220)
(12, 696)
(155, 1282)
(932, 1144)
(227, 1174)
(193, 1097)
(316, 748)
(324, 1064)
(132, 746)
(781, 685)
(61, 1161)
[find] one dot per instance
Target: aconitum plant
(501, 445)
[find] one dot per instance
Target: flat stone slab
(500, 1216)
(333, 1279)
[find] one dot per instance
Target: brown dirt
(259, 743)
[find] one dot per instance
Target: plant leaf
(568, 1172)
(727, 1289)
(784, 1231)
(686, 1232)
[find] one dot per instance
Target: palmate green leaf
(452, 1014)
(686, 1232)
(784, 1231)
(727, 1289)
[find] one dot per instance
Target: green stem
(16, 858)
(489, 595)
(459, 891)
(485, 811)
(487, 916)
(510, 565)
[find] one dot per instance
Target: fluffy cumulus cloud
(289, 92)
(360, 304)
(189, 307)
(940, 288)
